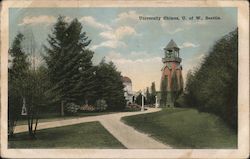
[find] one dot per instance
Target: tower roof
(171, 45)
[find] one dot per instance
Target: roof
(171, 45)
(126, 79)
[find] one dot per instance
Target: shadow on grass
(185, 128)
(85, 135)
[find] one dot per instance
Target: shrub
(71, 108)
(101, 105)
(89, 108)
(181, 101)
(133, 107)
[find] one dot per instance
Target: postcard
(124, 79)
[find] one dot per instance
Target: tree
(148, 96)
(87, 79)
(153, 93)
(110, 86)
(26, 85)
(17, 72)
(138, 99)
(213, 87)
(68, 61)
(175, 88)
(36, 85)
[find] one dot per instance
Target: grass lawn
(56, 117)
(185, 128)
(85, 135)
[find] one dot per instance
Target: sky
(135, 46)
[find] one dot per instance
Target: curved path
(127, 135)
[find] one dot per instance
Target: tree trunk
(62, 108)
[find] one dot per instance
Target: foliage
(181, 101)
(213, 87)
(150, 94)
(17, 72)
(148, 97)
(69, 62)
(71, 108)
(138, 99)
(88, 108)
(109, 86)
(101, 105)
(27, 86)
(176, 91)
(133, 107)
(153, 93)
(164, 86)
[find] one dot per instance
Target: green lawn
(85, 135)
(55, 117)
(185, 128)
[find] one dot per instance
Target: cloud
(34, 20)
(109, 44)
(175, 31)
(118, 33)
(172, 27)
(188, 45)
(139, 54)
(113, 37)
(91, 21)
(113, 55)
(125, 16)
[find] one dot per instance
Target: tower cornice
(173, 59)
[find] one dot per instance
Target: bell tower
(171, 80)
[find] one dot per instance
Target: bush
(151, 105)
(71, 108)
(101, 105)
(181, 101)
(89, 108)
(133, 107)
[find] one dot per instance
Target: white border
(243, 89)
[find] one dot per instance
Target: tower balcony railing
(175, 59)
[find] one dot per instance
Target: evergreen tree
(110, 86)
(148, 96)
(138, 99)
(68, 61)
(153, 93)
(17, 72)
(213, 86)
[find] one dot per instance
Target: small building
(171, 79)
(128, 93)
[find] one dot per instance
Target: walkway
(127, 135)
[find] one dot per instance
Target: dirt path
(127, 135)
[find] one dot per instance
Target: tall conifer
(68, 61)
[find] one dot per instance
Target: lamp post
(142, 101)
(156, 102)
(24, 109)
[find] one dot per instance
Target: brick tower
(171, 79)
